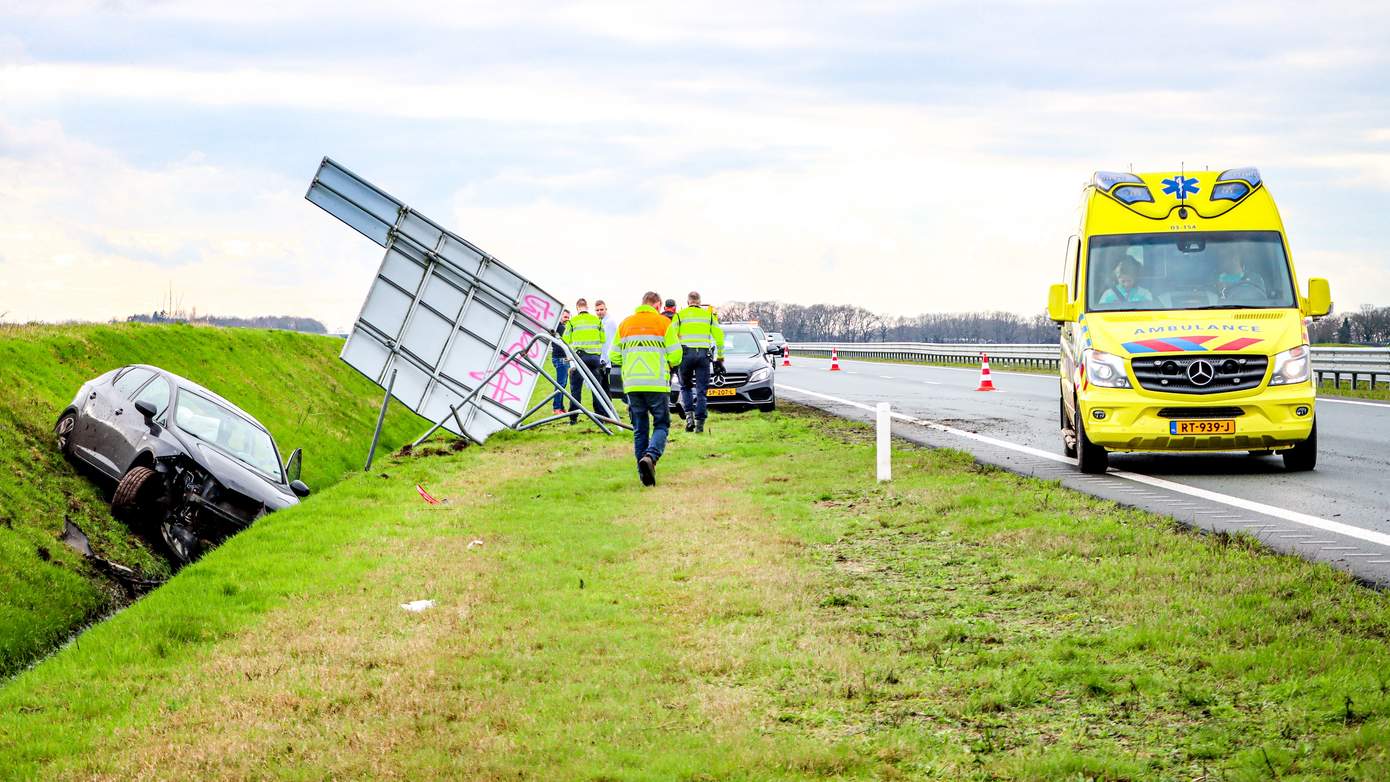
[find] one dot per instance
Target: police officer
(701, 340)
(585, 335)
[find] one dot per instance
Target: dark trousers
(656, 405)
(577, 381)
(562, 373)
(694, 372)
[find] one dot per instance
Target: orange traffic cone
(985, 383)
(786, 357)
(834, 361)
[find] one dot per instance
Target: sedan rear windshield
(228, 432)
(1189, 270)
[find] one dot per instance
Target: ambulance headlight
(1105, 370)
(1291, 366)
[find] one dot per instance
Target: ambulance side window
(1071, 268)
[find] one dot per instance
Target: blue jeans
(562, 375)
(694, 373)
(640, 405)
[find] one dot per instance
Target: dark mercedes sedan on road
(181, 456)
(747, 380)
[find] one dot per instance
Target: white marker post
(885, 441)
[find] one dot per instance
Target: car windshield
(228, 432)
(741, 343)
(1190, 270)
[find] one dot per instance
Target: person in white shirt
(610, 329)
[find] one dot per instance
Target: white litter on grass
(475, 543)
(416, 606)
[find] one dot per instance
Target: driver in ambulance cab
(1126, 287)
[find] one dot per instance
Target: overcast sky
(906, 157)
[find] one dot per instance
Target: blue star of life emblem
(1179, 186)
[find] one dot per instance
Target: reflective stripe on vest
(585, 333)
(693, 328)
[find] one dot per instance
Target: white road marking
(1354, 402)
(1305, 519)
(886, 377)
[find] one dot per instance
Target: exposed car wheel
(1304, 456)
(769, 407)
(1068, 448)
(64, 429)
(1090, 458)
(133, 489)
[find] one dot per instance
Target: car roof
(188, 385)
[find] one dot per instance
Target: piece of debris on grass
(416, 606)
(475, 543)
(458, 444)
(129, 580)
(426, 496)
(406, 450)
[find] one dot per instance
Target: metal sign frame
(447, 329)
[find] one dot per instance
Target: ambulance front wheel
(1304, 456)
(1090, 458)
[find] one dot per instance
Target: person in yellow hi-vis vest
(646, 349)
(701, 340)
(584, 333)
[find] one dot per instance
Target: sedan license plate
(721, 392)
(1202, 427)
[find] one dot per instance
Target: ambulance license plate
(1202, 427)
(721, 392)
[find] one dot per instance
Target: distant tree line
(283, 322)
(1368, 326)
(847, 323)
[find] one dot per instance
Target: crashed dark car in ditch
(182, 457)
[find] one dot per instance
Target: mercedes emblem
(717, 381)
(1200, 372)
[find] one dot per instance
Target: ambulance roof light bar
(1235, 183)
(1123, 187)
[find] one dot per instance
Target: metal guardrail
(1363, 366)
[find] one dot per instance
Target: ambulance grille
(1200, 412)
(1177, 375)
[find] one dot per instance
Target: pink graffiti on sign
(533, 306)
(514, 374)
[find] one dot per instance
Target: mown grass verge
(766, 612)
(293, 383)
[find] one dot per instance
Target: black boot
(690, 421)
(699, 426)
(646, 470)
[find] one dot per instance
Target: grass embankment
(293, 383)
(766, 612)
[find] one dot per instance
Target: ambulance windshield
(1186, 271)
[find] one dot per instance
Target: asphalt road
(1339, 513)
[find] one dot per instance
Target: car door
(130, 425)
(107, 405)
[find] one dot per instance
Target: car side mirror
(1058, 308)
(1319, 298)
(294, 466)
(148, 410)
(299, 489)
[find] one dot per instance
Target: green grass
(293, 383)
(766, 612)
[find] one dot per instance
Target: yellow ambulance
(1183, 325)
